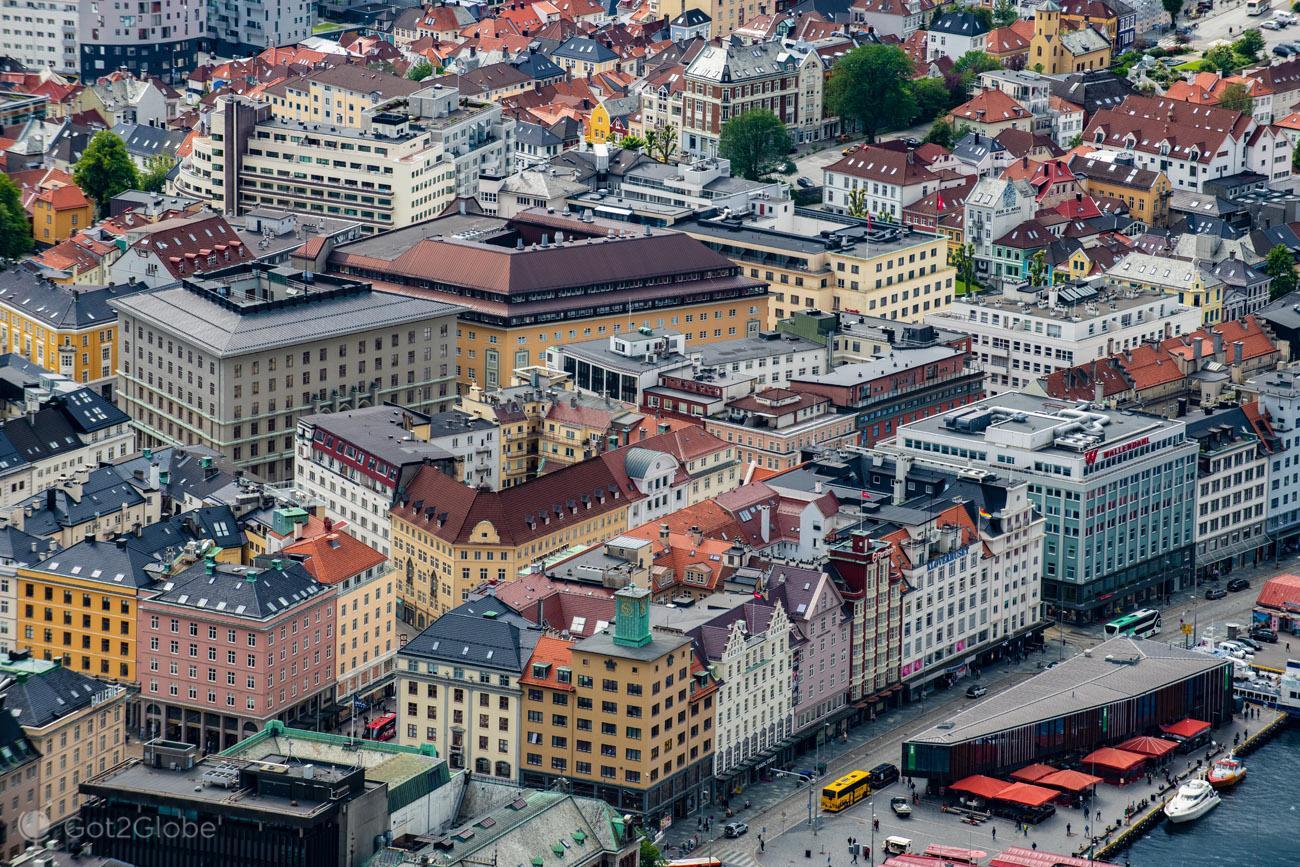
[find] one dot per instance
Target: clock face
(627, 608)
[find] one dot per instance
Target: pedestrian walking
(1099, 817)
(875, 823)
(994, 829)
(1034, 845)
(1068, 832)
(762, 845)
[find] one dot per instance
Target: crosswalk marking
(737, 857)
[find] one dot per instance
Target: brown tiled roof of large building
(1150, 121)
(875, 163)
(185, 244)
(991, 106)
(437, 504)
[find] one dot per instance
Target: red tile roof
(991, 106)
(335, 557)
(184, 244)
(876, 163)
(554, 653)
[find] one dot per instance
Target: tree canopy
(756, 142)
(1249, 45)
(105, 169)
(420, 71)
(1236, 97)
(1005, 14)
(1280, 265)
(15, 230)
(868, 89)
(932, 98)
(154, 176)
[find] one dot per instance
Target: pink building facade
(224, 649)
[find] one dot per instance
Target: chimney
(902, 466)
(663, 532)
(697, 537)
(1218, 343)
(1237, 348)
(1196, 352)
(765, 522)
(1098, 392)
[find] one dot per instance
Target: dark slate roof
(691, 18)
(1203, 425)
(959, 24)
(260, 592)
(1199, 224)
(1236, 272)
(40, 698)
(538, 66)
(184, 473)
(536, 135)
(1284, 312)
(70, 142)
(711, 638)
(123, 560)
(974, 147)
(103, 493)
(485, 633)
(36, 437)
(585, 49)
(15, 749)
(831, 10)
(88, 411)
(19, 548)
(1264, 240)
(1092, 90)
(144, 141)
(61, 306)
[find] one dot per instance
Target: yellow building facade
(1056, 48)
(447, 540)
(63, 329)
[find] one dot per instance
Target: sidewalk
(782, 804)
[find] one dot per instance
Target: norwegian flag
(939, 201)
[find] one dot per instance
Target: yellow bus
(846, 791)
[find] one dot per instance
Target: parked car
(804, 182)
(1280, 50)
(976, 690)
(1215, 593)
(902, 809)
(734, 829)
(882, 775)
(1271, 24)
(1238, 584)
(1249, 643)
(1263, 633)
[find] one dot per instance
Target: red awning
(1187, 729)
(1032, 773)
(1069, 781)
(1027, 794)
(1017, 856)
(1116, 760)
(1148, 746)
(955, 853)
(980, 786)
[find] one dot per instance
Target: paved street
(1229, 19)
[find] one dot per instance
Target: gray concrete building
(231, 360)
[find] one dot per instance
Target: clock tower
(632, 616)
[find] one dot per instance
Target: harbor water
(1255, 825)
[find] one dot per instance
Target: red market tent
(1187, 729)
(955, 853)
(1032, 773)
(1018, 856)
(1113, 759)
(980, 786)
(1069, 781)
(1027, 795)
(1148, 746)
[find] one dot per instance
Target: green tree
(661, 143)
(1249, 45)
(105, 169)
(941, 133)
(971, 64)
(1295, 161)
(1236, 97)
(1222, 58)
(632, 142)
(963, 259)
(756, 142)
(1038, 268)
(982, 13)
(154, 176)
(868, 89)
(1005, 14)
(650, 855)
(1173, 7)
(15, 230)
(858, 203)
(931, 98)
(420, 71)
(1280, 265)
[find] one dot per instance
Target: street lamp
(871, 853)
(807, 778)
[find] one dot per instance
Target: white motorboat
(1195, 798)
